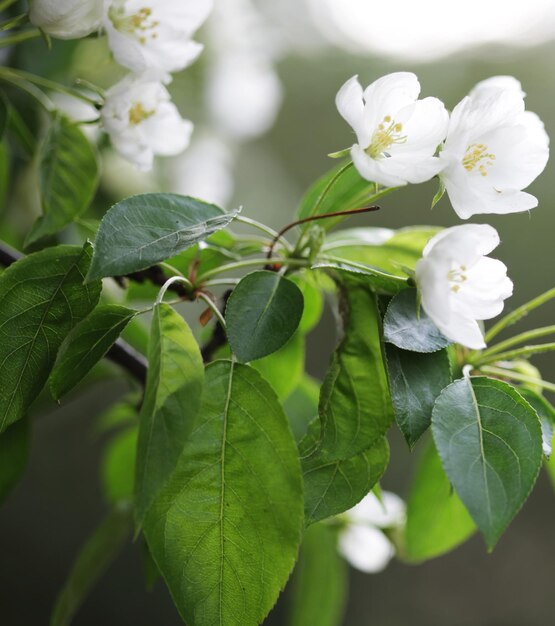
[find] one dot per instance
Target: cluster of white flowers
(484, 154)
(151, 38)
(362, 540)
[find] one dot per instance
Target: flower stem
(9, 74)
(503, 373)
(519, 313)
(213, 306)
(14, 21)
(6, 4)
(521, 338)
(263, 228)
(251, 263)
(526, 351)
(19, 37)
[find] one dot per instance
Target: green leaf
(416, 380)
(68, 178)
(439, 193)
(118, 467)
(390, 251)
(301, 406)
(97, 554)
(284, 369)
(331, 487)
(313, 301)
(320, 580)
(122, 414)
(490, 443)
(146, 229)
(546, 415)
(226, 528)
(4, 114)
(262, 314)
(86, 344)
(341, 189)
(410, 329)
(14, 454)
(355, 405)
(437, 521)
(172, 398)
(374, 277)
(43, 297)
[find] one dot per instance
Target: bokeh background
(262, 100)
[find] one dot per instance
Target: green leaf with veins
(334, 486)
(374, 277)
(68, 177)
(86, 344)
(355, 404)
(490, 443)
(232, 510)
(262, 314)
(284, 369)
(43, 298)
(389, 250)
(416, 380)
(341, 189)
(408, 327)
(172, 398)
(320, 580)
(143, 230)
(437, 520)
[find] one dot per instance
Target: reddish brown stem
(313, 218)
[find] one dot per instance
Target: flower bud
(66, 19)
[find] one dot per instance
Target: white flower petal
(385, 514)
(365, 548)
(389, 94)
(464, 331)
(467, 240)
(505, 83)
(374, 170)
(66, 19)
(350, 104)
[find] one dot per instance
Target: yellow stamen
(477, 156)
(386, 134)
(138, 114)
(139, 24)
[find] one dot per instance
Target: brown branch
(313, 218)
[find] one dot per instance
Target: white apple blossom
(397, 134)
(66, 19)
(142, 121)
(155, 34)
(494, 149)
(459, 284)
(362, 541)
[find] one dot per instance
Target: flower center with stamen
(387, 134)
(478, 157)
(457, 277)
(139, 24)
(138, 114)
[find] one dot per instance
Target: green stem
(524, 352)
(519, 313)
(33, 91)
(521, 338)
(251, 263)
(8, 73)
(263, 228)
(213, 306)
(503, 373)
(220, 282)
(6, 4)
(14, 21)
(328, 187)
(19, 37)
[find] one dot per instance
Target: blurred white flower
(78, 111)
(362, 542)
(142, 121)
(244, 96)
(204, 171)
(66, 19)
(397, 134)
(243, 90)
(494, 149)
(460, 285)
(155, 34)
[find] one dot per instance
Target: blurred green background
(44, 522)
